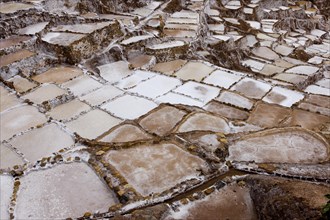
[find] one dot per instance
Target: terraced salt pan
(44, 93)
(251, 40)
(60, 74)
(304, 70)
(270, 70)
(266, 53)
(318, 49)
(174, 98)
(179, 33)
(187, 27)
(167, 45)
(288, 145)
(282, 96)
(81, 28)
(133, 80)
(194, 71)
(185, 14)
(232, 21)
(230, 202)
(13, 40)
(314, 108)
(226, 38)
(36, 144)
(7, 100)
(255, 66)
(318, 32)
(294, 62)
(143, 12)
(102, 95)
(141, 61)
(283, 49)
(9, 158)
(153, 5)
(252, 88)
(235, 99)
(114, 72)
(222, 78)
(291, 78)
(33, 29)
(201, 92)
(318, 100)
(233, 5)
(136, 39)
(155, 23)
(82, 85)
(12, 7)
(156, 86)
(217, 28)
(68, 110)
(204, 122)
(62, 38)
(14, 57)
(162, 121)
(126, 133)
(308, 120)
(66, 190)
(93, 124)
(182, 21)
(129, 107)
(170, 67)
(314, 89)
(19, 119)
(324, 83)
(22, 84)
(316, 60)
(226, 111)
(155, 168)
(6, 190)
(254, 24)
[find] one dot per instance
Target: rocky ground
(213, 109)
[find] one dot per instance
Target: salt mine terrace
(168, 109)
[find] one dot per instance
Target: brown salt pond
(163, 120)
(14, 57)
(155, 168)
(204, 122)
(126, 133)
(58, 75)
(230, 202)
(13, 40)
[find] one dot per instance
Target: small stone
(228, 163)
(100, 153)
(17, 183)
(220, 134)
(192, 148)
(241, 183)
(184, 201)
(121, 192)
(209, 190)
(223, 140)
(115, 207)
(267, 167)
(87, 214)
